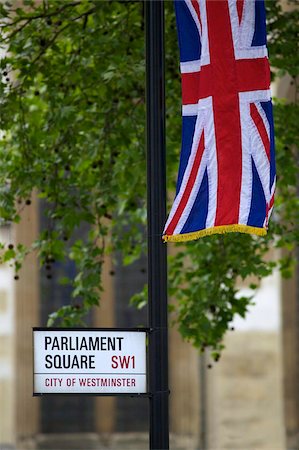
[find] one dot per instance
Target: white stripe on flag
(205, 51)
(193, 195)
(190, 66)
(190, 110)
(246, 183)
(247, 26)
(260, 159)
(255, 96)
(196, 139)
(212, 166)
(195, 18)
(264, 118)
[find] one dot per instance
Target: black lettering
(119, 342)
(93, 343)
(111, 343)
(84, 362)
(57, 362)
(64, 341)
(71, 343)
(66, 361)
(75, 363)
(47, 342)
(83, 344)
(55, 343)
(48, 364)
(103, 343)
(91, 362)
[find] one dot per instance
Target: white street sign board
(80, 361)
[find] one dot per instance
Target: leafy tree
(72, 117)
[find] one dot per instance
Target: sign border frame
(87, 394)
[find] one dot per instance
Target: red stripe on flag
(189, 186)
(269, 207)
(226, 113)
(251, 75)
(197, 10)
(190, 87)
(259, 123)
(240, 6)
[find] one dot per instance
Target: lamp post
(156, 208)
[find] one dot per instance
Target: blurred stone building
(78, 422)
(246, 401)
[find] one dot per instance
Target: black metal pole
(156, 208)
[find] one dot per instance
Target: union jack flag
(226, 177)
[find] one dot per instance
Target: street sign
(89, 361)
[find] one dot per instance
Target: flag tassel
(215, 230)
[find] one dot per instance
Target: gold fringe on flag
(215, 230)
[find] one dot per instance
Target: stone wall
(7, 329)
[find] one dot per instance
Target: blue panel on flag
(259, 37)
(198, 215)
(187, 139)
(258, 202)
(190, 45)
(268, 108)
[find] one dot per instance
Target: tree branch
(85, 14)
(42, 16)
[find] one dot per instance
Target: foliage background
(72, 119)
